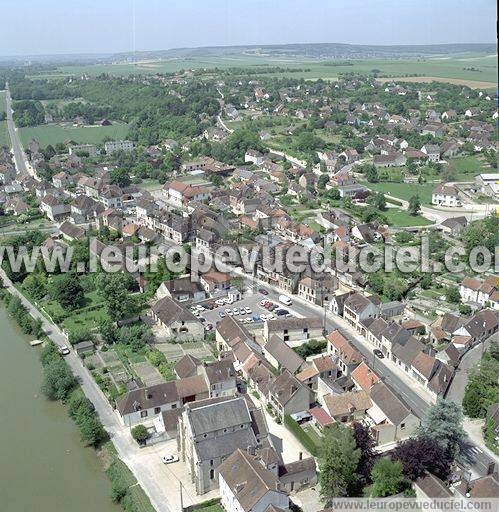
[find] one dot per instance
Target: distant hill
(315, 50)
(298, 50)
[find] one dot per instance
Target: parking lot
(251, 300)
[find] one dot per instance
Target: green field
(405, 190)
(455, 67)
(52, 134)
(3, 104)
(4, 134)
(402, 219)
(467, 167)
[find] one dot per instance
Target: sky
(38, 27)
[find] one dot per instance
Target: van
(285, 300)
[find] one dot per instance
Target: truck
(285, 300)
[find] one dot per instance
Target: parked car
(169, 459)
(248, 310)
(263, 291)
(222, 314)
(64, 351)
(235, 311)
(377, 352)
(263, 302)
(281, 312)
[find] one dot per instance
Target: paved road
(17, 148)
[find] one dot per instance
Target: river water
(44, 467)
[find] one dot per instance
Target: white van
(285, 300)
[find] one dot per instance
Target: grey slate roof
(218, 416)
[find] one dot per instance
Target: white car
(220, 302)
(235, 311)
(248, 310)
(169, 459)
(228, 312)
(263, 302)
(64, 351)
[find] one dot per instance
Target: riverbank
(125, 487)
(44, 465)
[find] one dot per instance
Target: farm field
(457, 67)
(405, 190)
(52, 134)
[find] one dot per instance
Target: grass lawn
(467, 167)
(402, 219)
(150, 185)
(313, 434)
(3, 104)
(404, 190)
(52, 134)
(208, 506)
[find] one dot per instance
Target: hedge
(301, 435)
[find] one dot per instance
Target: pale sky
(34, 27)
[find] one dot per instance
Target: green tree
(443, 422)
(370, 171)
(36, 285)
(414, 205)
(115, 290)
(321, 183)
(482, 389)
(338, 461)
(67, 291)
(140, 433)
(58, 380)
(452, 294)
(378, 200)
(91, 430)
(388, 478)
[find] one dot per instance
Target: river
(44, 467)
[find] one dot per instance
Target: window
(143, 414)
(174, 406)
(157, 410)
(211, 462)
(212, 474)
(402, 425)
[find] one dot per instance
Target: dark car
(263, 291)
(377, 352)
(281, 312)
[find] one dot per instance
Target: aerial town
(269, 389)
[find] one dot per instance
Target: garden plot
(172, 352)
(147, 373)
(119, 373)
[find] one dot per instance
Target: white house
(445, 195)
(246, 485)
